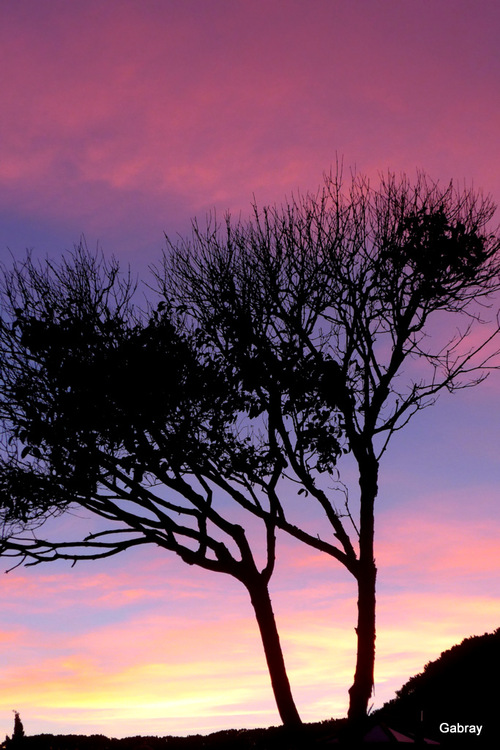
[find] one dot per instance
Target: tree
(283, 341)
(112, 409)
(313, 308)
(18, 727)
(18, 735)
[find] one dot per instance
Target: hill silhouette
(460, 687)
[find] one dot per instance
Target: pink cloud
(142, 105)
(176, 664)
(164, 665)
(160, 666)
(440, 534)
(100, 591)
(421, 545)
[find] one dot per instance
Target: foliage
(18, 733)
(116, 410)
(459, 686)
(18, 738)
(341, 315)
(278, 345)
(99, 403)
(324, 298)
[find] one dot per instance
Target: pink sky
(124, 119)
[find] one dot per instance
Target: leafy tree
(277, 347)
(18, 738)
(112, 409)
(18, 728)
(340, 315)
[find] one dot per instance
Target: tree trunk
(362, 687)
(261, 602)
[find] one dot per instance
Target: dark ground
(325, 735)
(272, 738)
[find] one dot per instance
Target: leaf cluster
(122, 412)
(278, 344)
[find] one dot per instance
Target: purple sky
(122, 121)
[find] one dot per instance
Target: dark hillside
(461, 687)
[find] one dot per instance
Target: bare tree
(112, 410)
(314, 307)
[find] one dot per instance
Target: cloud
(439, 540)
(156, 666)
(167, 663)
(142, 108)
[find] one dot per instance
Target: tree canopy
(275, 346)
(113, 410)
(341, 315)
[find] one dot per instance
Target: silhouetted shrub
(460, 687)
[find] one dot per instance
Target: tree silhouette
(277, 346)
(341, 315)
(18, 727)
(18, 738)
(111, 409)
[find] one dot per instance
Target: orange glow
(167, 670)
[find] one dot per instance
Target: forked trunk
(261, 602)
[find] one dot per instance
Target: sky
(122, 121)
